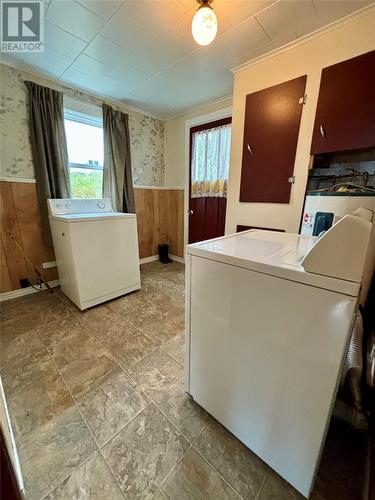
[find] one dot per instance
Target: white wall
(343, 42)
(174, 131)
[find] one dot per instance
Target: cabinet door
(345, 115)
(272, 121)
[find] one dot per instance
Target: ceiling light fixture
(204, 25)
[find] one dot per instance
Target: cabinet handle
(249, 149)
(322, 131)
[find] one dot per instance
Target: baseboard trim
(20, 292)
(145, 260)
(177, 259)
(152, 258)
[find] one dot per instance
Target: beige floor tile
(276, 487)
(49, 314)
(155, 373)
(91, 481)
(25, 371)
(38, 300)
(175, 347)
(23, 345)
(139, 300)
(241, 468)
(89, 373)
(108, 409)
(39, 403)
(159, 325)
(72, 347)
(51, 452)
(143, 453)
(11, 309)
(182, 410)
(194, 479)
(126, 344)
(58, 327)
(16, 326)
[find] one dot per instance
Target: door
(272, 120)
(345, 114)
(209, 166)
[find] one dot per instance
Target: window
(84, 136)
(210, 161)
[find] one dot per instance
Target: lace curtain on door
(210, 162)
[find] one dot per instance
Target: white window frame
(94, 121)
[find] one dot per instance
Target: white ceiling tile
(77, 79)
(329, 11)
(236, 11)
(104, 8)
(128, 76)
(105, 51)
(62, 42)
(75, 19)
(154, 14)
(106, 86)
(268, 47)
(289, 15)
(49, 62)
(90, 66)
(144, 49)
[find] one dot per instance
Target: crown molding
(307, 38)
(200, 107)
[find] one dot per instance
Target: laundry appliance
(96, 250)
(323, 208)
(268, 321)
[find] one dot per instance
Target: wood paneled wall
(20, 216)
(159, 214)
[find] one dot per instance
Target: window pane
(86, 183)
(85, 143)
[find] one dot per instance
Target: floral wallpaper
(146, 133)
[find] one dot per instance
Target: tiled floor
(98, 407)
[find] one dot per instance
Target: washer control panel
(76, 206)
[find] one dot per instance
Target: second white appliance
(267, 327)
(96, 250)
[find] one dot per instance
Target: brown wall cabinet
(272, 120)
(345, 115)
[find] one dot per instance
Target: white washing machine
(96, 250)
(268, 320)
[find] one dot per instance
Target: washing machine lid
(90, 217)
(273, 253)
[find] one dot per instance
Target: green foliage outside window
(86, 183)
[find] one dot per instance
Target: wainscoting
(160, 220)
(160, 214)
(20, 217)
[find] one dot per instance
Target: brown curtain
(117, 174)
(48, 144)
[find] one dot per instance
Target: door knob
(190, 212)
(249, 149)
(322, 131)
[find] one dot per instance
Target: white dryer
(268, 319)
(96, 250)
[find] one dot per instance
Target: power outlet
(24, 283)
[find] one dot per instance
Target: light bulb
(204, 25)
